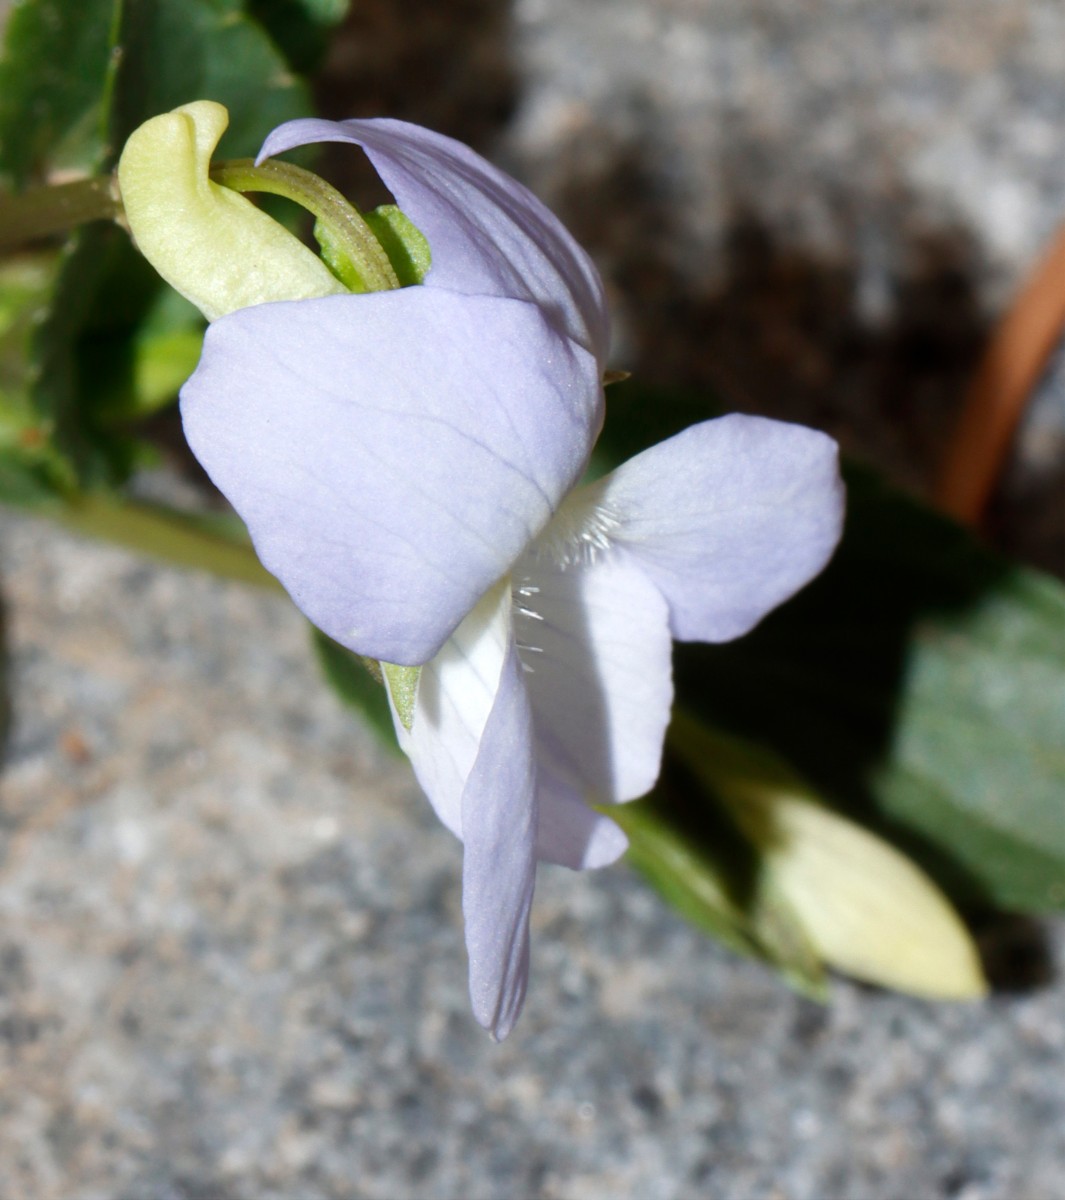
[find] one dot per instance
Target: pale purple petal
(594, 638)
(471, 747)
(456, 692)
(570, 833)
(729, 519)
(487, 233)
(499, 821)
(391, 453)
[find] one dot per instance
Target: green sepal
(356, 683)
(337, 259)
(403, 242)
(402, 684)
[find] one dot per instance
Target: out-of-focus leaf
(352, 681)
(864, 907)
(176, 51)
(117, 344)
(53, 72)
(217, 544)
(31, 470)
(300, 28)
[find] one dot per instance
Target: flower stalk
(42, 212)
(353, 252)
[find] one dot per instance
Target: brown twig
(1012, 363)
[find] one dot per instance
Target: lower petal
(499, 820)
(456, 693)
(471, 746)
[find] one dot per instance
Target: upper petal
(594, 638)
(391, 453)
(729, 518)
(487, 233)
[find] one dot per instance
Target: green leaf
(53, 72)
(215, 543)
(177, 51)
(81, 353)
(300, 28)
(31, 470)
(353, 682)
(116, 345)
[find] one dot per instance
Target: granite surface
(231, 964)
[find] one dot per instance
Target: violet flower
(407, 463)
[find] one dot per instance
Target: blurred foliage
(75, 80)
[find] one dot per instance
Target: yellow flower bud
(209, 243)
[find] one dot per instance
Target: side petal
(391, 453)
(456, 692)
(729, 518)
(570, 833)
(594, 639)
(487, 233)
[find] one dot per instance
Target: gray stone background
(230, 945)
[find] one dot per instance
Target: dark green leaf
(920, 682)
(31, 469)
(52, 87)
(176, 51)
(300, 28)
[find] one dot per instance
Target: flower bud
(209, 243)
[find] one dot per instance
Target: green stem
(54, 208)
(346, 229)
(181, 539)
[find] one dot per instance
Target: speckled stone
(231, 965)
